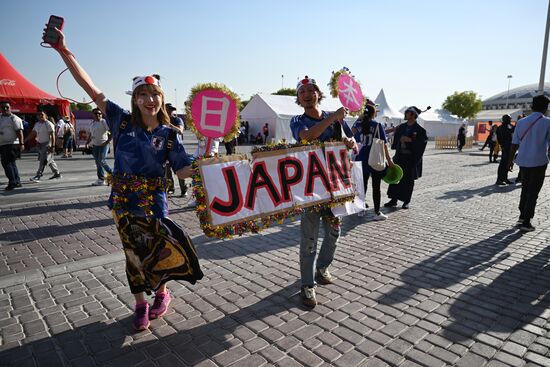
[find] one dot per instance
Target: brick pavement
(448, 282)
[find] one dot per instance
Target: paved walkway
(448, 282)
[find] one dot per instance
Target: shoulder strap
(377, 131)
(169, 143)
(529, 128)
(121, 127)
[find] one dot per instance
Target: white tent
(438, 122)
(386, 112)
(277, 111)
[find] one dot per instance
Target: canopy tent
(496, 115)
(25, 97)
(277, 111)
(438, 122)
(386, 113)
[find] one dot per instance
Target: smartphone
(50, 35)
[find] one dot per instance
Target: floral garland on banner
(258, 224)
(191, 124)
(333, 85)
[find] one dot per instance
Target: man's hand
(50, 149)
(340, 114)
(350, 143)
(390, 163)
(21, 146)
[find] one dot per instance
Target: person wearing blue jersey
(157, 249)
(365, 130)
(316, 124)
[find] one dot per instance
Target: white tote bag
(377, 156)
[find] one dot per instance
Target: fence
(450, 142)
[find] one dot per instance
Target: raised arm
(79, 74)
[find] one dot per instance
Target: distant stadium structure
(518, 98)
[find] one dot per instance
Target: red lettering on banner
(235, 202)
(260, 179)
(315, 170)
(285, 179)
(338, 171)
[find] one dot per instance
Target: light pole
(282, 81)
(544, 52)
(508, 92)
(176, 95)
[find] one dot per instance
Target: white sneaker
(380, 216)
(362, 213)
(98, 183)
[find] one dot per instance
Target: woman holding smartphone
(157, 249)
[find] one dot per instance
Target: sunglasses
(97, 113)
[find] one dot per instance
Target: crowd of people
(148, 150)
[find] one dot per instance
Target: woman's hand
(390, 162)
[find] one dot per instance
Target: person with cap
(176, 123)
(504, 138)
(100, 137)
(156, 248)
(409, 142)
(11, 144)
(532, 138)
(316, 124)
(365, 130)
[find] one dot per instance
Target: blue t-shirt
(366, 138)
(142, 153)
(304, 122)
(176, 121)
(533, 149)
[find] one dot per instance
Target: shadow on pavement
(52, 208)
(512, 300)
(250, 244)
(463, 195)
(22, 236)
(114, 343)
(451, 266)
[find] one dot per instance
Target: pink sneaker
(160, 306)
(141, 316)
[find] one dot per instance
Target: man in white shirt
(99, 137)
(11, 144)
(44, 132)
(59, 132)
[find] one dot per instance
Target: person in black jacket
(504, 138)
(409, 143)
(461, 138)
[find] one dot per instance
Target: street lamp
(544, 52)
(508, 92)
(282, 81)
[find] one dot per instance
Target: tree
(285, 92)
(463, 104)
(80, 107)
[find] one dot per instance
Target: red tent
(25, 97)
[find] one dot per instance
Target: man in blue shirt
(316, 124)
(532, 137)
